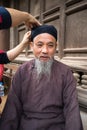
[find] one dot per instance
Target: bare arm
(19, 17)
(13, 53)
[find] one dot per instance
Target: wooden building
(70, 19)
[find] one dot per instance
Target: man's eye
(51, 45)
(39, 45)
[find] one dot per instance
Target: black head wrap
(50, 29)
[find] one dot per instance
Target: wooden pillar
(4, 40)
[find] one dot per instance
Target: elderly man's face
(44, 46)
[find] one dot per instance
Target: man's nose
(44, 49)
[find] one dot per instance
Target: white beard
(43, 68)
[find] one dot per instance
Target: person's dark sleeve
(5, 18)
(10, 118)
(71, 106)
(4, 58)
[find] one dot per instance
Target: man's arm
(19, 17)
(12, 112)
(71, 106)
(10, 17)
(13, 53)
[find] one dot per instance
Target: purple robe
(45, 105)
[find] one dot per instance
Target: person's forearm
(17, 16)
(13, 53)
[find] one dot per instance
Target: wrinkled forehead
(45, 38)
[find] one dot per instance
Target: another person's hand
(19, 17)
(26, 38)
(32, 22)
(13, 53)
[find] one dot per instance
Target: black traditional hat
(50, 29)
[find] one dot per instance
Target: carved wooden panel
(51, 4)
(4, 40)
(35, 7)
(76, 28)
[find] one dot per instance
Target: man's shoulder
(61, 67)
(28, 64)
(61, 64)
